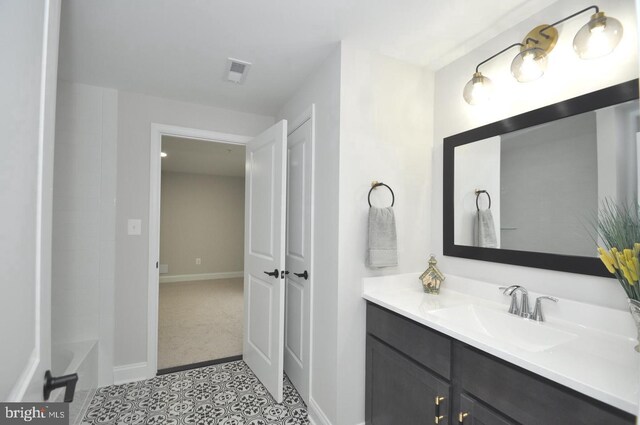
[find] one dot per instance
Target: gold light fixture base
(546, 44)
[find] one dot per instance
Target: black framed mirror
(538, 179)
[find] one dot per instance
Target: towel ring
(478, 193)
(377, 184)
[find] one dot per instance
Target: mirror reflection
(538, 189)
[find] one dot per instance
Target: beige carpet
(199, 321)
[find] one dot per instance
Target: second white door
(265, 196)
(298, 281)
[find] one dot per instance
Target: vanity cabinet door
(399, 391)
(426, 346)
(472, 412)
(528, 398)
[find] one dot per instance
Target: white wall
(566, 77)
(386, 130)
(19, 122)
(477, 167)
(136, 112)
(84, 219)
(29, 43)
(202, 216)
(323, 89)
(374, 122)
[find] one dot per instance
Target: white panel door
(265, 197)
(297, 347)
(27, 117)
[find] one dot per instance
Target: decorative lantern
(432, 277)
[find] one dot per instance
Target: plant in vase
(619, 229)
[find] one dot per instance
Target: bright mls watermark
(34, 413)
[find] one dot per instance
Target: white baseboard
(130, 373)
(316, 415)
(200, 276)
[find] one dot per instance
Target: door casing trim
(157, 131)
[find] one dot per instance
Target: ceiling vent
(237, 70)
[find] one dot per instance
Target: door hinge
(156, 264)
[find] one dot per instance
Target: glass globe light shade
(529, 64)
(478, 90)
(598, 37)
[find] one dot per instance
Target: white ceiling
(179, 48)
(202, 157)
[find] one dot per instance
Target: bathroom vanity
(460, 358)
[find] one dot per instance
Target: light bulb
(529, 64)
(598, 37)
(163, 154)
(478, 90)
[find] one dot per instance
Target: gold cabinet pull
(439, 399)
(461, 417)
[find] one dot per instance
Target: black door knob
(274, 273)
(304, 275)
(67, 381)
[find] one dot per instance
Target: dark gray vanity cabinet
(399, 391)
(408, 371)
(416, 375)
(473, 412)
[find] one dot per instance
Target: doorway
(158, 133)
(271, 209)
(200, 311)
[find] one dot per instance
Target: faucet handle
(514, 308)
(537, 311)
(521, 289)
(508, 290)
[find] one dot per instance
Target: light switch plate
(134, 227)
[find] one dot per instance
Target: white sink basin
(525, 334)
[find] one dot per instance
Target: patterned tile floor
(224, 394)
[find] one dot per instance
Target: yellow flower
(628, 254)
(625, 272)
(632, 271)
(614, 253)
(607, 262)
(628, 259)
(622, 263)
(627, 262)
(636, 266)
(607, 259)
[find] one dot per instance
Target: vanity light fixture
(596, 38)
(530, 64)
(478, 89)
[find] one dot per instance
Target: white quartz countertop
(585, 347)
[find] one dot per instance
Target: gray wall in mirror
(549, 186)
(547, 181)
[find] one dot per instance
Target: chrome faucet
(523, 309)
(514, 308)
(537, 311)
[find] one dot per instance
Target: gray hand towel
(383, 246)
(485, 230)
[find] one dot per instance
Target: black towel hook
(478, 192)
(377, 184)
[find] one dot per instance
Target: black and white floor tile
(223, 394)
